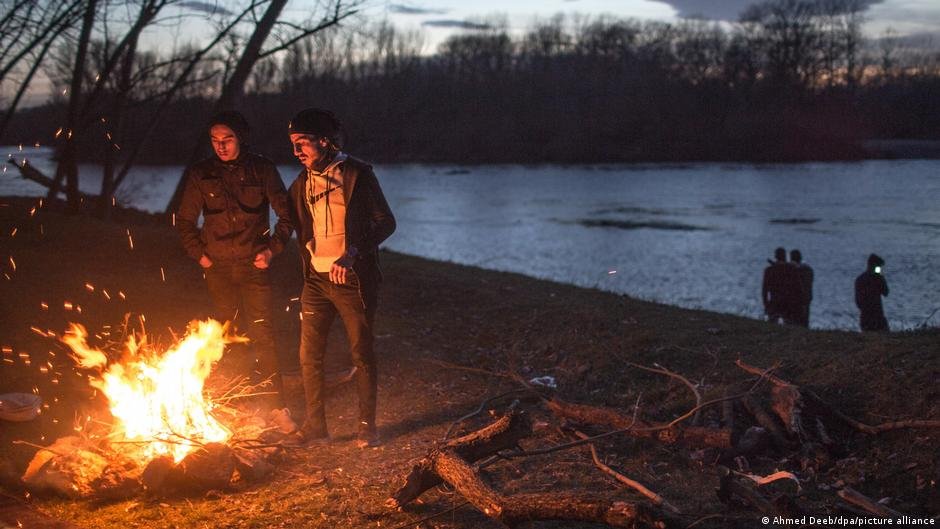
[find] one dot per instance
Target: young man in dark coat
(341, 217)
(870, 286)
(780, 290)
(805, 273)
(234, 191)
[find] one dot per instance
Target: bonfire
(163, 429)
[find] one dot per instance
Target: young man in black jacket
(234, 191)
(341, 217)
(870, 286)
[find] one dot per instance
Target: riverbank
(434, 316)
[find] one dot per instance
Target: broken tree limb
(727, 412)
(512, 510)
(872, 430)
(610, 418)
(763, 373)
(767, 422)
(28, 172)
(663, 371)
(745, 490)
(857, 498)
(635, 485)
(858, 425)
(479, 410)
(500, 435)
(786, 399)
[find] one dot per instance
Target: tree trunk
(234, 87)
(67, 168)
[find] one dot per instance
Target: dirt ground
(434, 317)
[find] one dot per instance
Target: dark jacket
(369, 220)
(869, 288)
(233, 198)
(781, 290)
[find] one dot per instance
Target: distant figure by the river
(781, 290)
(805, 275)
(870, 286)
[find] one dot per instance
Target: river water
(696, 235)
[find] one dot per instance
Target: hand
(263, 259)
(204, 261)
(340, 268)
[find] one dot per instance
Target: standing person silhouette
(870, 286)
(805, 273)
(780, 290)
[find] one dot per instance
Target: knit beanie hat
(233, 120)
(316, 122)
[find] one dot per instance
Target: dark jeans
(241, 284)
(321, 301)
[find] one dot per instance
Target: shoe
(369, 441)
(281, 419)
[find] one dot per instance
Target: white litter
(546, 381)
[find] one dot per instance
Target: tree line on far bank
(791, 80)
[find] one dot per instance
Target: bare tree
(28, 30)
(334, 12)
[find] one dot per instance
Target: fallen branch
(731, 486)
(663, 371)
(479, 409)
(857, 498)
(670, 433)
(767, 422)
(502, 434)
(635, 485)
(860, 426)
(28, 172)
(514, 509)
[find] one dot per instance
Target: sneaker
(281, 419)
(370, 441)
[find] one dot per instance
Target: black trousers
(321, 301)
(239, 288)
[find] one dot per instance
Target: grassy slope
(431, 312)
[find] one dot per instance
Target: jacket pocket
(213, 195)
(251, 198)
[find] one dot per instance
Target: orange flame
(157, 400)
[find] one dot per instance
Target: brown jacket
(234, 200)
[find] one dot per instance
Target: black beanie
(316, 122)
(875, 260)
(233, 120)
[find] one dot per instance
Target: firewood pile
(771, 418)
(90, 465)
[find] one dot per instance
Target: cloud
(722, 9)
(401, 9)
(456, 24)
(205, 7)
